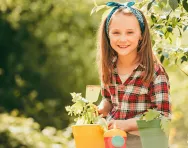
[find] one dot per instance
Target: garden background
(48, 50)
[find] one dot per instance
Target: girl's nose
(123, 38)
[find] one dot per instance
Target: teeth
(123, 46)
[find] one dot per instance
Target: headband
(128, 6)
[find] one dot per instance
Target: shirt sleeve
(160, 95)
(105, 93)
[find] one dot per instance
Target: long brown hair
(105, 53)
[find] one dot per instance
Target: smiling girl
(132, 79)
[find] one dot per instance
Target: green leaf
(185, 28)
(169, 29)
(165, 125)
(97, 8)
(150, 4)
(83, 110)
(153, 18)
(160, 32)
(95, 3)
(176, 60)
(159, 51)
(174, 21)
(68, 108)
(182, 14)
(183, 59)
(162, 58)
(76, 96)
(151, 114)
(158, 26)
(185, 5)
(105, 14)
(101, 7)
(93, 10)
(78, 107)
(173, 4)
(164, 1)
(162, 4)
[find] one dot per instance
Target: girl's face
(124, 34)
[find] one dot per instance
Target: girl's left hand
(119, 124)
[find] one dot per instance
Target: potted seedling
(153, 129)
(89, 126)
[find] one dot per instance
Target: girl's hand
(104, 108)
(125, 125)
(119, 124)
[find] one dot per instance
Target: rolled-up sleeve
(160, 95)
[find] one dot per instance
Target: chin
(125, 52)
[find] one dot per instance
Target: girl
(132, 79)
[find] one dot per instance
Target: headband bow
(113, 4)
(127, 5)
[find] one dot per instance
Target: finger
(110, 123)
(110, 127)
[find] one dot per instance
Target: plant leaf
(151, 114)
(183, 59)
(76, 96)
(173, 4)
(78, 107)
(165, 125)
(95, 3)
(186, 27)
(150, 4)
(85, 112)
(162, 58)
(185, 5)
(153, 18)
(97, 8)
(93, 10)
(101, 7)
(105, 14)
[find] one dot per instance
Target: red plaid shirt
(133, 97)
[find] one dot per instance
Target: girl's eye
(115, 33)
(130, 32)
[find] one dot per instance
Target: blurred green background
(47, 51)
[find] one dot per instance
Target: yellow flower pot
(88, 136)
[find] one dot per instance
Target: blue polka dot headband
(128, 6)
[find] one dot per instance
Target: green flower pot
(151, 134)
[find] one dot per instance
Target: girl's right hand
(104, 108)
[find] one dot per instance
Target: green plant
(153, 114)
(84, 110)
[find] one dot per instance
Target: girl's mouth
(123, 46)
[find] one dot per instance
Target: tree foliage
(47, 50)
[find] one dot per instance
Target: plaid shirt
(133, 97)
